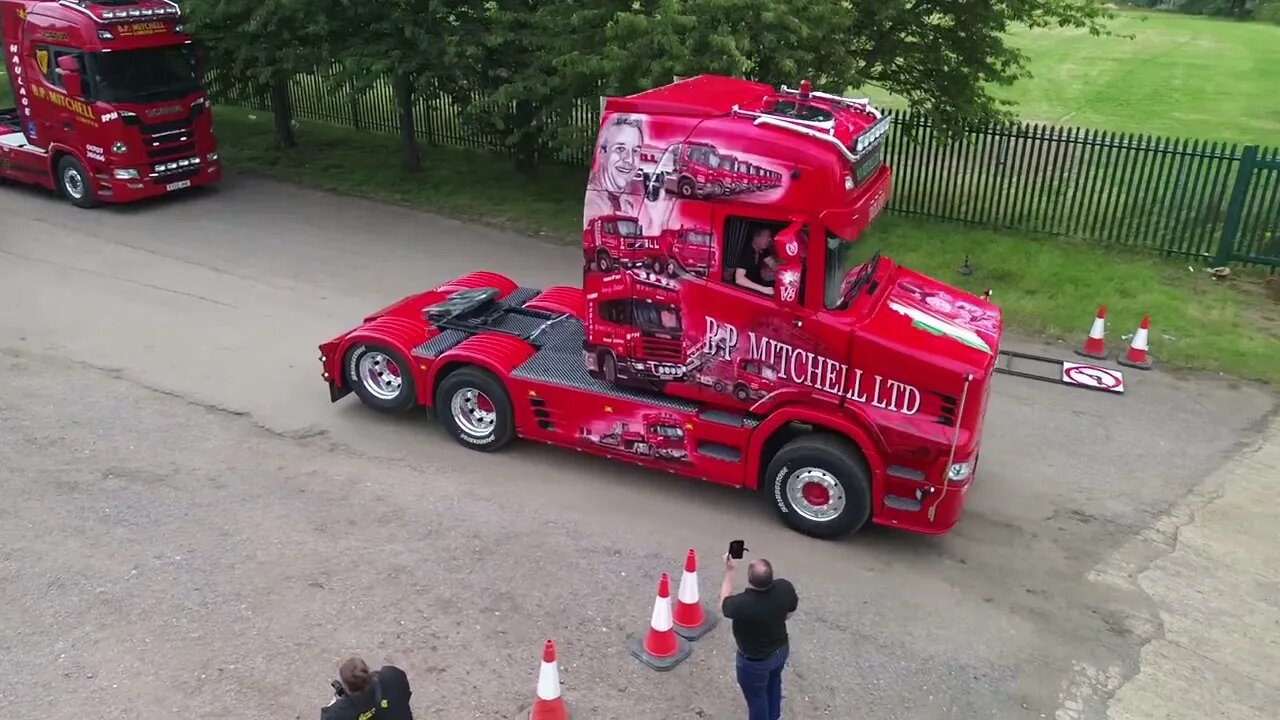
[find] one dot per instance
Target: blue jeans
(761, 683)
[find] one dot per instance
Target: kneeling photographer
(363, 695)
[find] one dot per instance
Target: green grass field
(1048, 288)
(1181, 76)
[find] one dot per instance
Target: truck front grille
(660, 350)
(157, 151)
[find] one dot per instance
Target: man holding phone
(759, 616)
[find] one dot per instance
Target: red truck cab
(690, 248)
(849, 389)
(612, 241)
(109, 106)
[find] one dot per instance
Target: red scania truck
(855, 391)
(108, 103)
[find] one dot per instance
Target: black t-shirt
(760, 618)
(394, 686)
(748, 259)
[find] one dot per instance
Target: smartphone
(736, 548)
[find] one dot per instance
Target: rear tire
(475, 408)
(381, 377)
(819, 486)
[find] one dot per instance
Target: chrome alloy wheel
(73, 183)
(815, 494)
(474, 412)
(380, 375)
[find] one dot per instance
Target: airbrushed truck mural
(660, 243)
(647, 233)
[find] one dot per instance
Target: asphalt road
(190, 529)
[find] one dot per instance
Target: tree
(415, 43)
(1267, 11)
(523, 82)
(262, 43)
(941, 55)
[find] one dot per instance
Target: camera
(338, 690)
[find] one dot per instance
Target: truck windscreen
(143, 76)
(842, 256)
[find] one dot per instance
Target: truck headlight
(959, 472)
(212, 157)
(125, 174)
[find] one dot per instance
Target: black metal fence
(1216, 202)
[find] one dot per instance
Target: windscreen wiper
(866, 273)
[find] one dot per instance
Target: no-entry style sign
(1093, 376)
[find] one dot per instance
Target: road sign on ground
(1092, 376)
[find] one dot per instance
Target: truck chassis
(493, 361)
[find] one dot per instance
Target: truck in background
(109, 106)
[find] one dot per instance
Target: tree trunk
(410, 159)
(527, 139)
(282, 110)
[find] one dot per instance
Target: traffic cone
(660, 648)
(547, 705)
(1137, 356)
(1095, 346)
(691, 621)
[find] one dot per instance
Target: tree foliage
(520, 67)
(941, 55)
(263, 44)
(413, 43)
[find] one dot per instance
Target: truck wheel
(686, 187)
(819, 486)
(741, 393)
(75, 183)
(474, 407)
(381, 378)
(609, 367)
(604, 262)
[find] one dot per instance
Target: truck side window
(53, 53)
(737, 251)
(616, 311)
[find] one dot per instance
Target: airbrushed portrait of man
(616, 183)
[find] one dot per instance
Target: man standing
(381, 695)
(759, 616)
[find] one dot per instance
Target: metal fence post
(1235, 207)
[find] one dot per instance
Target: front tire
(475, 408)
(75, 183)
(819, 486)
(381, 377)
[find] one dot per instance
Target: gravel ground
(190, 527)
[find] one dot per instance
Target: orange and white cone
(548, 705)
(1137, 356)
(660, 648)
(1095, 345)
(690, 619)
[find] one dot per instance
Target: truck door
(741, 323)
(55, 121)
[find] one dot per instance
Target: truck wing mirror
(69, 73)
(788, 252)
